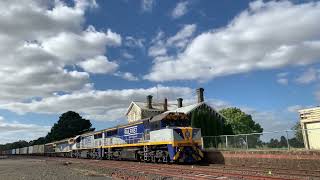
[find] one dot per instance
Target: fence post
(226, 142)
(216, 142)
(288, 140)
(247, 144)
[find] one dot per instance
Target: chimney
(165, 104)
(149, 102)
(179, 102)
(200, 95)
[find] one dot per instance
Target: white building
(310, 123)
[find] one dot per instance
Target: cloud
(272, 120)
(251, 41)
(179, 41)
(12, 131)
(127, 76)
(182, 37)
(108, 105)
(99, 64)
(45, 44)
(282, 78)
(308, 76)
(283, 74)
(180, 10)
(147, 5)
(71, 47)
(127, 55)
(282, 81)
(295, 108)
(134, 42)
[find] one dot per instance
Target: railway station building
(142, 110)
(310, 124)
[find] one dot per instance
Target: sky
(95, 57)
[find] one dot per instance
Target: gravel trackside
(22, 168)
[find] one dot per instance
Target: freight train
(166, 137)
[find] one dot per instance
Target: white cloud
(182, 37)
(12, 131)
(180, 10)
(283, 74)
(251, 41)
(282, 78)
(71, 47)
(45, 41)
(308, 76)
(179, 41)
(108, 105)
(99, 64)
(134, 42)
(147, 5)
(282, 81)
(295, 108)
(127, 55)
(127, 76)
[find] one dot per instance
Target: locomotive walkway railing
(278, 140)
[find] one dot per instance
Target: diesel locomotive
(167, 137)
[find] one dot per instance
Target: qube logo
(131, 131)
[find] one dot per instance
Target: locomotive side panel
(131, 134)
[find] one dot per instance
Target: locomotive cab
(173, 129)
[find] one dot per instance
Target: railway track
(201, 172)
(278, 171)
(195, 171)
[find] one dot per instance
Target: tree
(240, 122)
(206, 120)
(298, 131)
(274, 143)
(70, 124)
(297, 141)
(283, 142)
(40, 140)
(14, 145)
(210, 125)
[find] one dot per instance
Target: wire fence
(278, 140)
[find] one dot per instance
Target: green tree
(14, 145)
(69, 124)
(298, 131)
(274, 143)
(40, 140)
(206, 120)
(283, 142)
(240, 122)
(211, 125)
(297, 141)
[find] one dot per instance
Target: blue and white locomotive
(166, 137)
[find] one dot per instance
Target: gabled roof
(188, 109)
(155, 106)
(168, 115)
